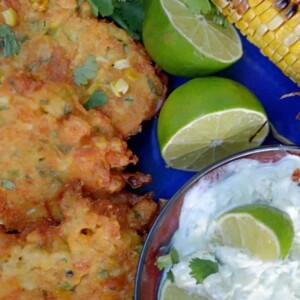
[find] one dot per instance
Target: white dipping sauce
(240, 275)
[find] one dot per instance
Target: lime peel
(208, 119)
(187, 44)
(264, 231)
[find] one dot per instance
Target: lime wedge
(188, 44)
(264, 231)
(207, 119)
(170, 291)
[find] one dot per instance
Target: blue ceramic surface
(258, 74)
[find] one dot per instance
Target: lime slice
(187, 44)
(207, 119)
(264, 231)
(170, 291)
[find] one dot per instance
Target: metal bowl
(157, 243)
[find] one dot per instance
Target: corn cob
(272, 25)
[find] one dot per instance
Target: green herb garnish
(8, 185)
(206, 8)
(167, 260)
(86, 72)
(9, 46)
(128, 14)
(201, 268)
(97, 99)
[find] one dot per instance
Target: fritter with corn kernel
(108, 69)
(91, 254)
(47, 140)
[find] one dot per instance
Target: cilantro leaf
(97, 99)
(201, 268)
(8, 184)
(218, 17)
(170, 276)
(8, 43)
(130, 15)
(167, 260)
(86, 72)
(103, 7)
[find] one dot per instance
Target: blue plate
(254, 71)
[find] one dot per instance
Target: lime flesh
(208, 119)
(262, 230)
(187, 44)
(172, 292)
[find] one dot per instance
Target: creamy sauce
(240, 275)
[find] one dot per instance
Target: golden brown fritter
(94, 56)
(91, 254)
(47, 140)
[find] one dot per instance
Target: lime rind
(204, 34)
(264, 230)
(207, 119)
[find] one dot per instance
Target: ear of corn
(271, 25)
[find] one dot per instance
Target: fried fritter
(91, 254)
(47, 140)
(94, 56)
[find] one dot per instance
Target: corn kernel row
(271, 25)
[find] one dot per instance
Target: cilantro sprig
(86, 72)
(9, 45)
(207, 8)
(201, 268)
(167, 260)
(128, 14)
(97, 99)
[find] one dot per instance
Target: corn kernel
(254, 3)
(260, 42)
(268, 51)
(131, 74)
(120, 87)
(242, 25)
(262, 7)
(276, 57)
(296, 66)
(282, 65)
(282, 50)
(290, 39)
(255, 23)
(283, 32)
(276, 22)
(269, 37)
(294, 21)
(249, 15)
(221, 3)
(268, 15)
(10, 17)
(234, 17)
(295, 48)
(261, 30)
(290, 58)
(121, 64)
(275, 44)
